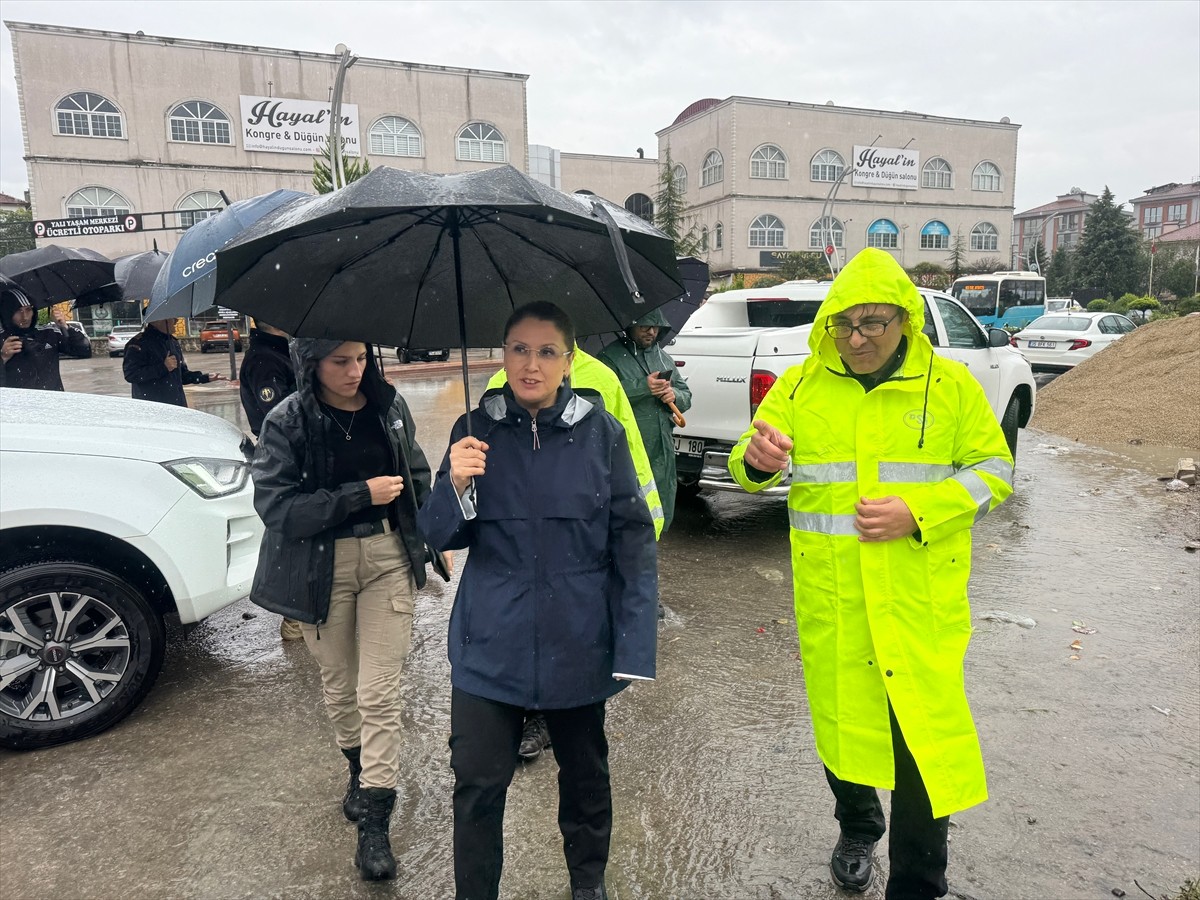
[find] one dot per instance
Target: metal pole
(337, 174)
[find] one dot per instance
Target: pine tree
(958, 256)
(323, 179)
(1060, 277)
(1108, 256)
(669, 208)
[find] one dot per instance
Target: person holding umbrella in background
(29, 352)
(154, 365)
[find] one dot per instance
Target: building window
(96, 201)
(828, 165)
(884, 234)
(1152, 231)
(1152, 216)
(1177, 212)
(936, 173)
(719, 237)
(767, 231)
(768, 161)
(198, 206)
(640, 205)
(394, 136)
(984, 236)
(713, 170)
(586, 191)
(480, 141)
(88, 115)
(935, 236)
(197, 122)
(679, 174)
(986, 177)
(704, 239)
(824, 232)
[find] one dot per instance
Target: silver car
(119, 337)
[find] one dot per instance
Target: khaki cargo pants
(361, 649)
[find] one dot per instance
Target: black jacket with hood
(36, 366)
(146, 370)
(298, 504)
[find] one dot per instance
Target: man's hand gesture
(769, 449)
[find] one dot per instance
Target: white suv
(115, 514)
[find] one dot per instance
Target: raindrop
(276, 267)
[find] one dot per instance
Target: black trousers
(917, 847)
(484, 737)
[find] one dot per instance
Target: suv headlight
(210, 477)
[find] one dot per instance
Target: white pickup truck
(738, 343)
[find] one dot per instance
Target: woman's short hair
(543, 311)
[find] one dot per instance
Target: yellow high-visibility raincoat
(589, 373)
(882, 621)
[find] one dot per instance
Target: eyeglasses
(544, 354)
(866, 329)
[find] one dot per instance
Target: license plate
(689, 446)
(1041, 345)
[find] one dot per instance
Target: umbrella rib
(488, 250)
(421, 283)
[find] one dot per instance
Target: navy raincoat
(560, 588)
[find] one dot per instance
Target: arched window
(984, 236)
(767, 231)
(713, 170)
(826, 231)
(88, 115)
(586, 191)
(986, 177)
(96, 201)
(768, 161)
(935, 236)
(198, 206)
(936, 173)
(394, 136)
(884, 234)
(197, 122)
(640, 205)
(719, 237)
(679, 174)
(828, 165)
(480, 141)
(704, 239)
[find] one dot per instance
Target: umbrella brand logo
(914, 419)
(199, 264)
(284, 125)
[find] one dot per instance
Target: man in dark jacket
(154, 365)
(29, 353)
(266, 376)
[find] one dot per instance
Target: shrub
(1099, 305)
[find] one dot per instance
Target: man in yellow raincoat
(894, 453)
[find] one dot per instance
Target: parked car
(103, 538)
(119, 337)
(411, 354)
(78, 326)
(1064, 340)
(214, 335)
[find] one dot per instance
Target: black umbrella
(136, 273)
(419, 260)
(52, 274)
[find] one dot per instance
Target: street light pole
(827, 211)
(337, 170)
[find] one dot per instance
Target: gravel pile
(1141, 388)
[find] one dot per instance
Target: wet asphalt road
(226, 783)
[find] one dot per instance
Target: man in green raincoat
(651, 381)
(894, 453)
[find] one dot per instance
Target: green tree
(1060, 277)
(1175, 270)
(1108, 256)
(323, 180)
(985, 265)
(929, 275)
(797, 266)
(768, 281)
(669, 206)
(16, 233)
(1099, 305)
(958, 256)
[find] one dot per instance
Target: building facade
(131, 123)
(1166, 208)
(766, 177)
(1057, 224)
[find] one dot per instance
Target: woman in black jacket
(557, 606)
(154, 365)
(338, 477)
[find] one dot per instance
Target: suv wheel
(79, 649)
(403, 356)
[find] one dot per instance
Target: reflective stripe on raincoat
(589, 373)
(886, 621)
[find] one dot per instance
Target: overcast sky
(1106, 92)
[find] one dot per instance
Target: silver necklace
(345, 431)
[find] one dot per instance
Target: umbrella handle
(676, 415)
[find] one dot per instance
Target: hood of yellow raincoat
(872, 276)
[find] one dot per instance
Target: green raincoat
(632, 365)
(886, 621)
(590, 374)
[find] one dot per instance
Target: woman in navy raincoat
(557, 606)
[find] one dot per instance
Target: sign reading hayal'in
(281, 125)
(886, 167)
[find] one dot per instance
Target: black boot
(374, 856)
(353, 804)
(535, 736)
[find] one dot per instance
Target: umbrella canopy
(52, 274)
(137, 272)
(184, 286)
(694, 273)
(419, 260)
